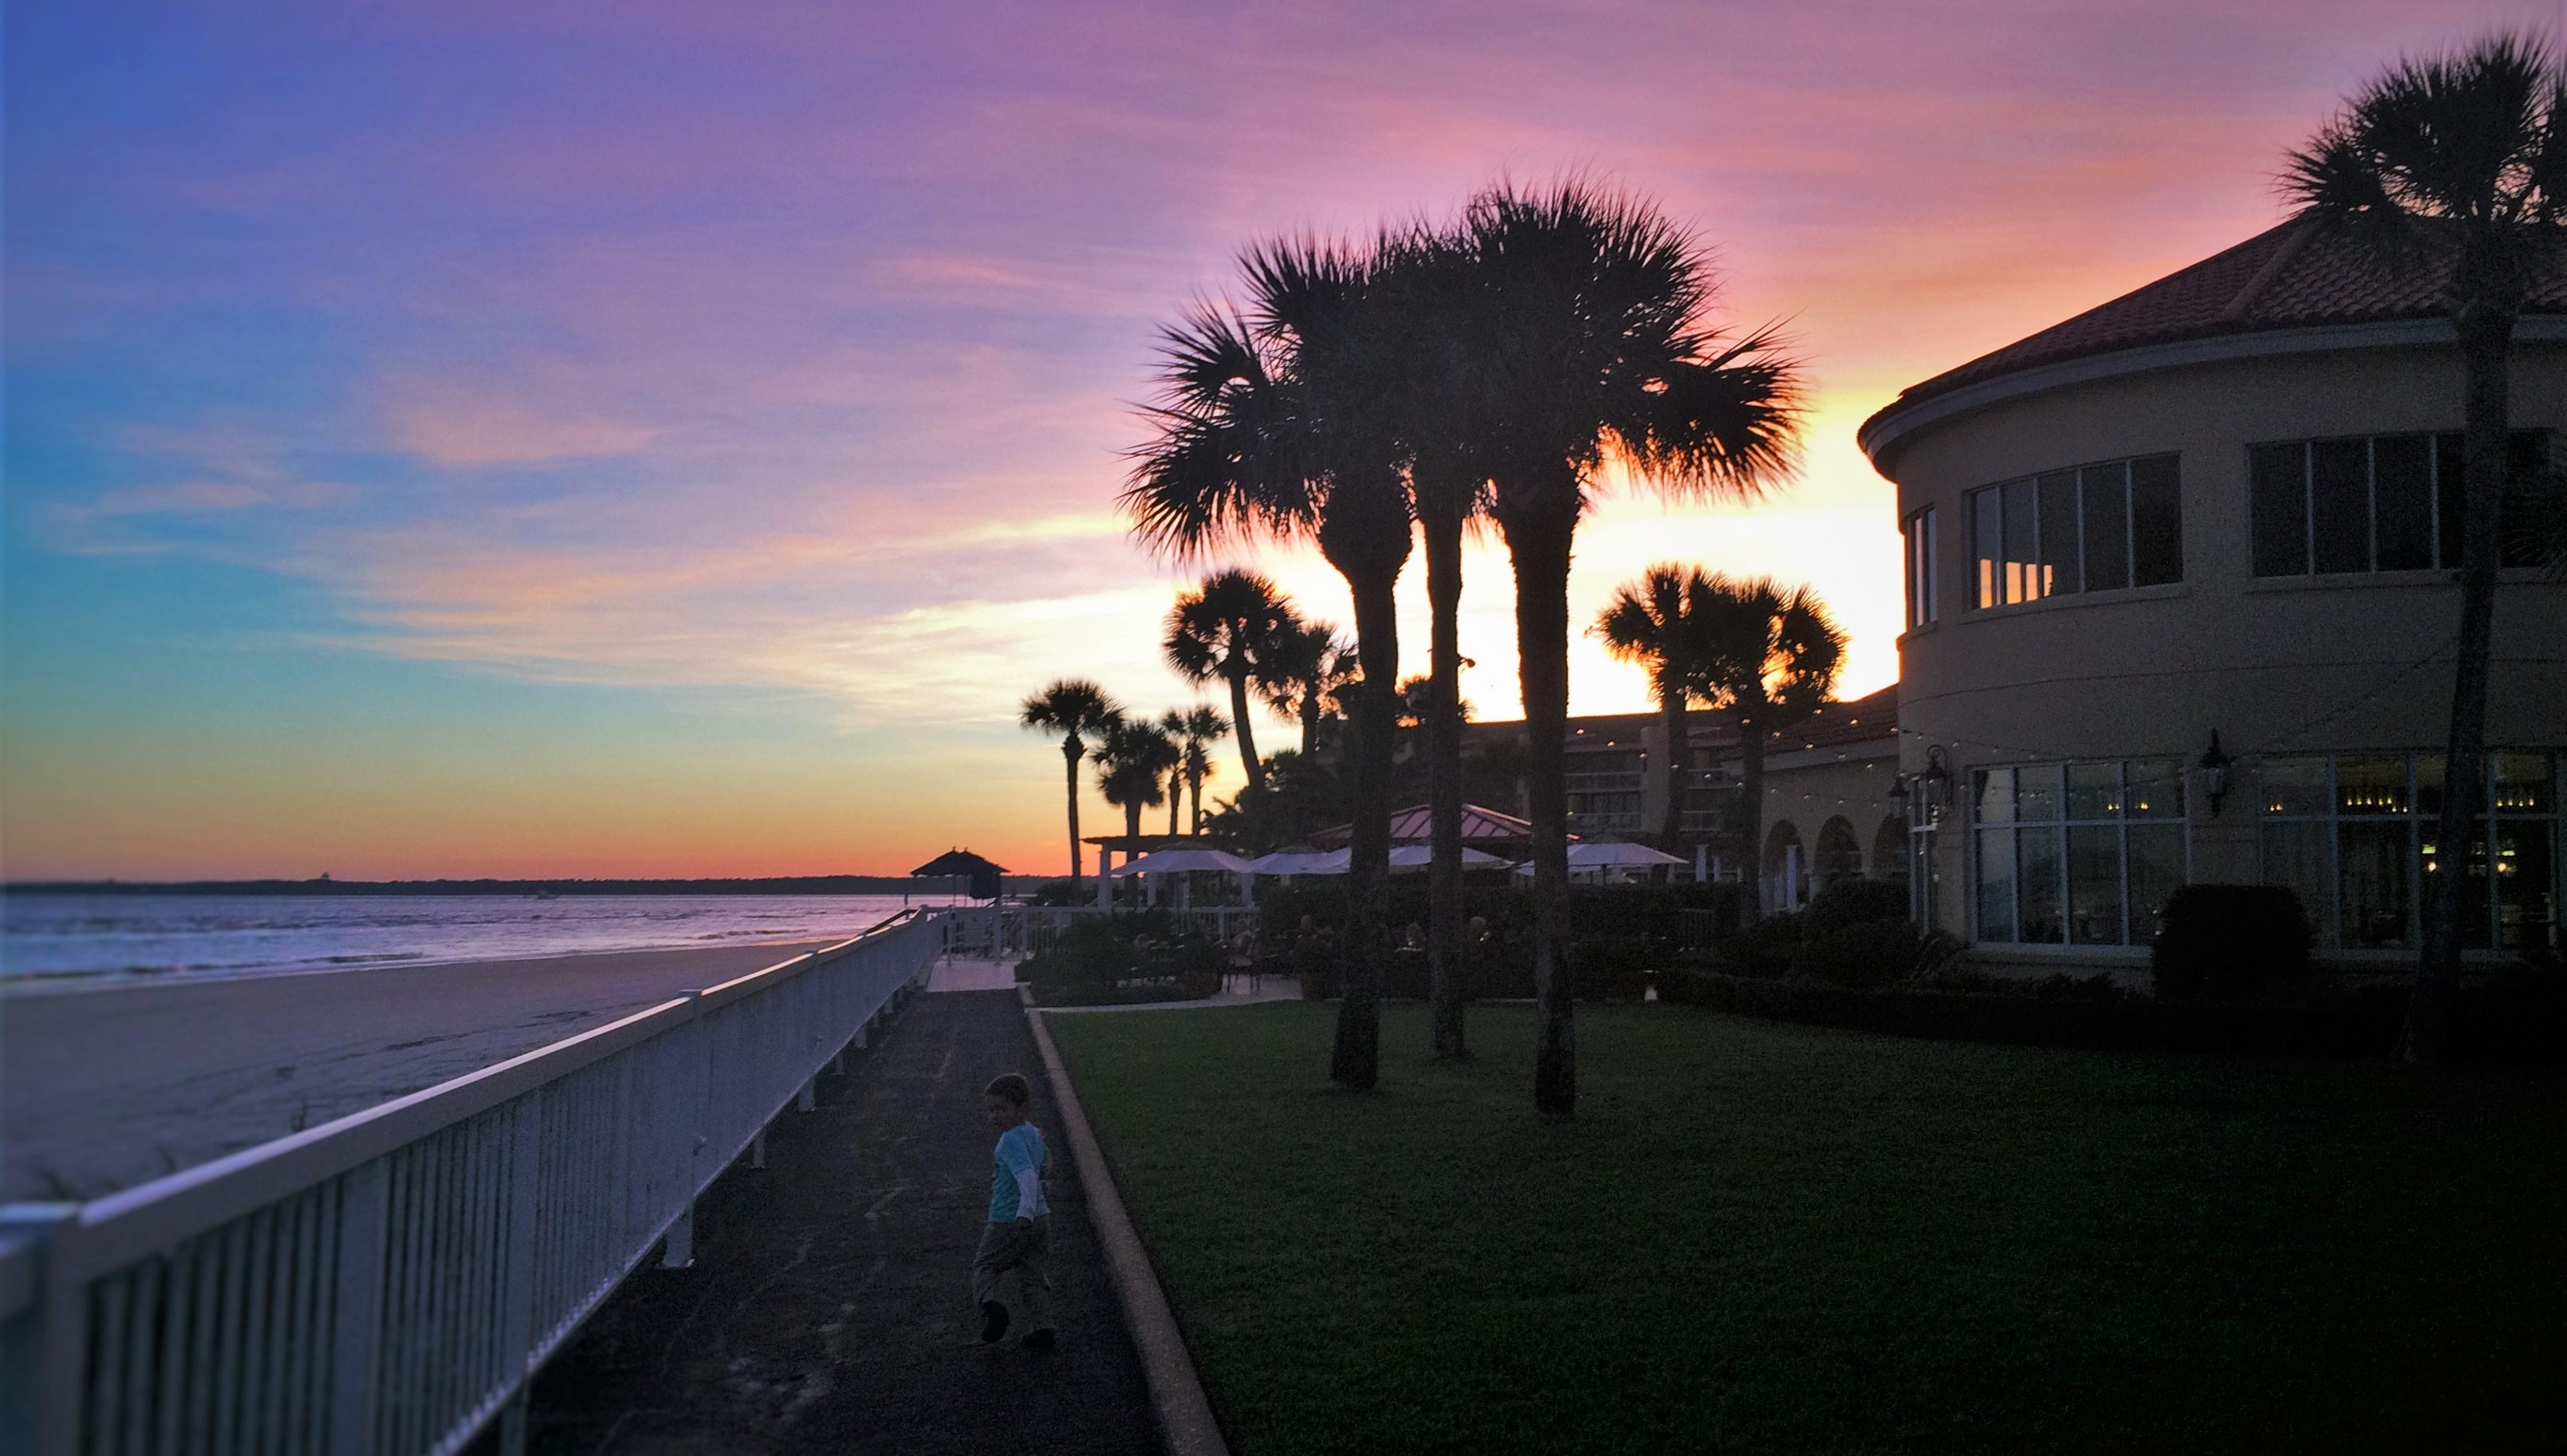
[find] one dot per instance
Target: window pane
(2036, 794)
(2156, 521)
(1915, 577)
(2021, 583)
(2526, 880)
(1996, 796)
(2037, 871)
(2295, 785)
(1987, 538)
(2094, 791)
(2526, 456)
(2428, 785)
(1926, 565)
(2522, 783)
(2339, 503)
(2156, 872)
(2371, 784)
(2106, 491)
(2374, 855)
(1996, 884)
(2447, 497)
(2277, 499)
(2155, 788)
(2095, 885)
(2301, 857)
(2059, 570)
(2402, 492)
(2473, 883)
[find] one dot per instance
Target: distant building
(2220, 509)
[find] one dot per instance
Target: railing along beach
(387, 1284)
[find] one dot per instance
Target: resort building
(2180, 607)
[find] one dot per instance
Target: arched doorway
(1889, 851)
(1840, 854)
(1786, 868)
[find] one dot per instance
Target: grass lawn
(1771, 1238)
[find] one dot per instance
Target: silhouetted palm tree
(1132, 765)
(1270, 425)
(1647, 623)
(1310, 666)
(1587, 328)
(2457, 164)
(1197, 728)
(1768, 655)
(1075, 708)
(1227, 629)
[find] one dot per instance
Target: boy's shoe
(1039, 1340)
(993, 1321)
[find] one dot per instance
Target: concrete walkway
(829, 1306)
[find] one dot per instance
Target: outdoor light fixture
(1934, 783)
(2214, 773)
(1899, 795)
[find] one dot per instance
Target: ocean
(57, 940)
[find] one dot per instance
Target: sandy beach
(101, 1089)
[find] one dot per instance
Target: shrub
(1766, 949)
(1614, 967)
(1857, 901)
(1871, 953)
(2231, 943)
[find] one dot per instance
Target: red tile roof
(2291, 276)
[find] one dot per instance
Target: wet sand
(107, 1087)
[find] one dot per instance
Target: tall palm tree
(1131, 766)
(1270, 425)
(1648, 621)
(1076, 709)
(1310, 664)
(1196, 729)
(1592, 351)
(1229, 628)
(2455, 165)
(1768, 655)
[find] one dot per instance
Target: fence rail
(386, 1283)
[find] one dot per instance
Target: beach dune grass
(1770, 1238)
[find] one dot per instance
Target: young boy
(1020, 1231)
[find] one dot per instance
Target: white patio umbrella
(1419, 856)
(1284, 862)
(1170, 861)
(1598, 858)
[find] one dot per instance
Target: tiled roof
(2291, 276)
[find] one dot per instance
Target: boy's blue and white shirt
(1015, 1179)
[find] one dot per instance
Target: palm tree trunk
(1071, 748)
(1443, 532)
(1248, 764)
(1310, 707)
(1751, 819)
(1540, 552)
(1672, 704)
(1355, 1060)
(2486, 338)
(1176, 799)
(1194, 784)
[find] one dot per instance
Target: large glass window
(2380, 502)
(1921, 606)
(2078, 853)
(2099, 527)
(2353, 834)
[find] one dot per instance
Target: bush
(1855, 901)
(2231, 943)
(1766, 950)
(1614, 967)
(1871, 952)
(1100, 961)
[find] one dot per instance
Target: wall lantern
(2214, 763)
(1898, 797)
(1934, 784)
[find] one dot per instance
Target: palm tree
(1587, 311)
(1648, 621)
(2456, 163)
(1197, 727)
(1074, 709)
(1768, 655)
(1229, 628)
(1131, 766)
(1309, 665)
(1270, 425)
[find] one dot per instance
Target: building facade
(2181, 601)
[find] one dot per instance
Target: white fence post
(355, 1317)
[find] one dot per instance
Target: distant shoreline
(788, 885)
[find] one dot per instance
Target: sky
(647, 439)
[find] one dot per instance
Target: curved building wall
(2288, 670)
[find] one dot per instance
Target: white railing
(387, 1284)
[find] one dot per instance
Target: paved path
(829, 1308)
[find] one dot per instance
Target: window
(2380, 502)
(2081, 854)
(2096, 528)
(2353, 834)
(1921, 606)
